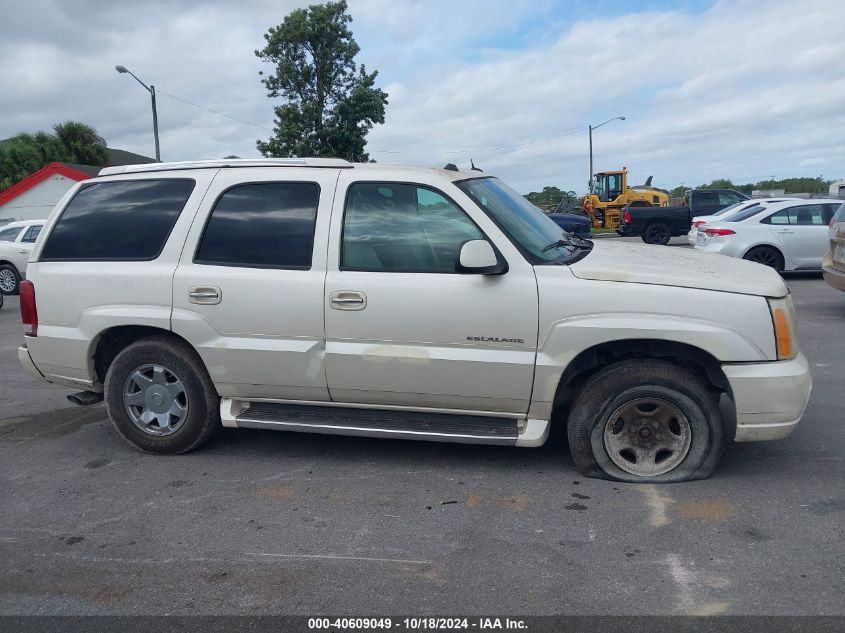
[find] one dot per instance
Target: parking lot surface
(267, 522)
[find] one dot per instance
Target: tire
(636, 385)
(10, 280)
(766, 255)
(657, 233)
(193, 396)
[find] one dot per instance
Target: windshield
(536, 235)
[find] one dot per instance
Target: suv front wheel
(160, 398)
(645, 421)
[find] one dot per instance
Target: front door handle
(205, 295)
(348, 300)
(23, 252)
(786, 231)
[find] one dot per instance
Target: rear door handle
(348, 300)
(785, 231)
(205, 295)
(23, 252)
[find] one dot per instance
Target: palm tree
(71, 142)
(81, 143)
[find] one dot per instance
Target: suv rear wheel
(160, 397)
(645, 421)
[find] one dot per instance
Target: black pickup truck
(657, 225)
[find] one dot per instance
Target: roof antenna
(473, 167)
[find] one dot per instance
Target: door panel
(426, 339)
(805, 237)
(262, 335)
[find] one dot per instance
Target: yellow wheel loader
(610, 193)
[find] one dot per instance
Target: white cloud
(742, 90)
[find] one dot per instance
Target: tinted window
(262, 225)
(402, 228)
(705, 197)
(840, 214)
(31, 234)
(120, 220)
(9, 235)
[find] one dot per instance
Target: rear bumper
(770, 398)
(26, 361)
(834, 277)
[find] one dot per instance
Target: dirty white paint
(657, 501)
(683, 580)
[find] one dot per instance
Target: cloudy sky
(737, 88)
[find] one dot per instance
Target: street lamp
(595, 127)
(152, 90)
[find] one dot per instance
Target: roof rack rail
(335, 163)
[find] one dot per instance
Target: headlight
(783, 318)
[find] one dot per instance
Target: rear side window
(126, 220)
(9, 235)
(746, 213)
(31, 234)
(262, 225)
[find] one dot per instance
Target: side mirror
(478, 257)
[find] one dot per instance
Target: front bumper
(770, 398)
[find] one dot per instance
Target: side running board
(435, 427)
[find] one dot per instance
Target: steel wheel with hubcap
(155, 399)
(9, 280)
(647, 437)
(646, 420)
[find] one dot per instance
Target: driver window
(395, 227)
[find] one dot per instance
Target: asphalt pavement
(262, 522)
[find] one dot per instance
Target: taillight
(29, 313)
(697, 223)
(627, 217)
(716, 232)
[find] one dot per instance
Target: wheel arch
(596, 357)
(774, 247)
(111, 341)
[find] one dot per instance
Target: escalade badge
(494, 339)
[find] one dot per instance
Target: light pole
(595, 127)
(152, 90)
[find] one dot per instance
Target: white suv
(16, 242)
(321, 296)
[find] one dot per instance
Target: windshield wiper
(558, 244)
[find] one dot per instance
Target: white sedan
(724, 214)
(16, 241)
(787, 235)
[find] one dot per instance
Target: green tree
(81, 143)
(70, 142)
(329, 104)
(550, 197)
